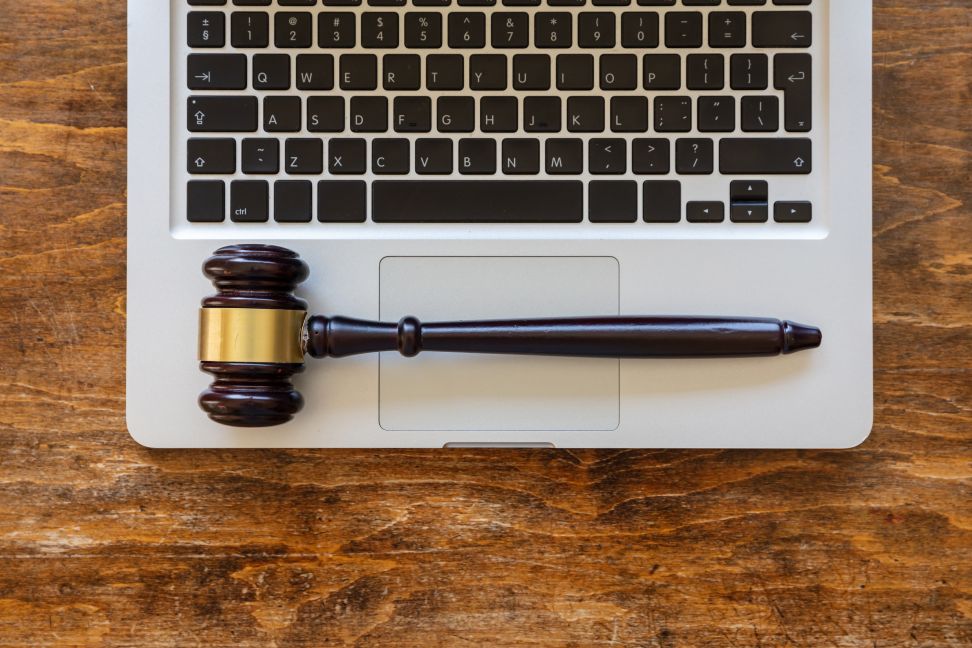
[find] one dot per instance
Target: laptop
(500, 159)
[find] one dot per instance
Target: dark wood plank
(104, 543)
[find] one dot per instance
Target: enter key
(793, 75)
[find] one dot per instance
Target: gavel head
(251, 335)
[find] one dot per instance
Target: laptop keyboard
(486, 111)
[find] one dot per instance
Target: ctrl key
(206, 201)
(249, 201)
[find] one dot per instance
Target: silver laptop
(459, 159)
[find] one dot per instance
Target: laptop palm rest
(479, 393)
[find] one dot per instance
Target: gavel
(255, 333)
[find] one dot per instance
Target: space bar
(477, 201)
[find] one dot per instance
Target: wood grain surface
(105, 543)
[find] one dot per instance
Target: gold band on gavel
(251, 335)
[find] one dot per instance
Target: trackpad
(451, 391)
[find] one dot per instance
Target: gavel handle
(594, 337)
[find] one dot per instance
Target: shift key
(222, 114)
(765, 156)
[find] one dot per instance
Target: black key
(206, 29)
(639, 29)
(705, 71)
(565, 156)
(760, 114)
(222, 114)
(336, 29)
(727, 29)
(401, 72)
(346, 156)
(379, 30)
(662, 72)
(651, 156)
(596, 29)
(694, 156)
(705, 212)
(575, 72)
(749, 71)
(293, 29)
(211, 156)
(759, 156)
(315, 72)
(782, 29)
(717, 114)
(249, 29)
(487, 201)
(661, 201)
(304, 156)
(629, 114)
(793, 73)
(553, 29)
(292, 201)
(281, 114)
(455, 114)
(673, 114)
(216, 72)
(683, 29)
(341, 201)
(271, 72)
(359, 72)
(413, 114)
(748, 212)
(498, 114)
(585, 114)
(521, 156)
(467, 30)
(510, 29)
(749, 191)
(261, 155)
(487, 72)
(423, 30)
(619, 72)
(390, 156)
(612, 201)
(444, 72)
(249, 201)
(205, 201)
(433, 156)
(607, 156)
(541, 114)
(477, 156)
(793, 212)
(531, 72)
(369, 114)
(325, 114)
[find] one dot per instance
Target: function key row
(490, 3)
(507, 30)
(512, 156)
(469, 201)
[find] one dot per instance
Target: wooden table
(105, 543)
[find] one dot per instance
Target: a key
(359, 72)
(727, 29)
(619, 72)
(433, 156)
(705, 71)
(683, 29)
(575, 72)
(423, 30)
(336, 29)
(455, 114)
(585, 114)
(705, 212)
(315, 72)
(673, 114)
(596, 29)
(271, 72)
(292, 29)
(760, 114)
(261, 156)
(531, 72)
(249, 201)
(612, 201)
(341, 201)
(639, 29)
(694, 156)
(521, 156)
(662, 72)
(483, 201)
(467, 30)
(553, 29)
(211, 156)
(444, 72)
(765, 156)
(206, 29)
(782, 29)
(487, 72)
(281, 114)
(541, 114)
(629, 114)
(401, 72)
(222, 114)
(412, 114)
(325, 114)
(303, 156)
(477, 156)
(661, 201)
(369, 114)
(510, 29)
(749, 72)
(390, 156)
(216, 71)
(346, 156)
(607, 156)
(793, 212)
(651, 156)
(792, 73)
(292, 201)
(564, 156)
(249, 30)
(206, 201)
(498, 114)
(717, 114)
(379, 30)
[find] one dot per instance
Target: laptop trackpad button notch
(463, 392)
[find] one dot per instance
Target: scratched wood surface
(104, 543)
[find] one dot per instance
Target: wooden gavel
(254, 334)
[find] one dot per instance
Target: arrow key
(749, 212)
(705, 212)
(209, 156)
(216, 72)
(793, 212)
